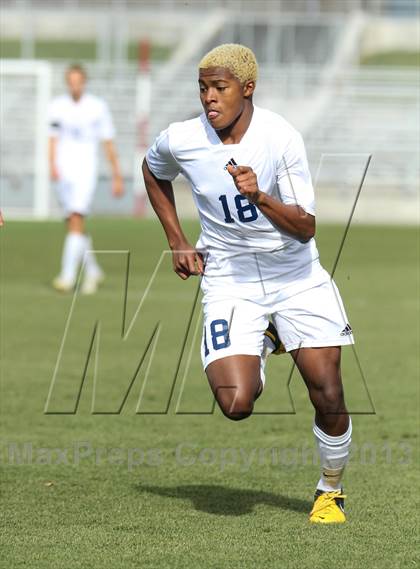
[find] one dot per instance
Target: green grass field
(75, 50)
(87, 50)
(393, 58)
(161, 490)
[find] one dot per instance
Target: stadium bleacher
(341, 108)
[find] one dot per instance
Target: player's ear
(248, 88)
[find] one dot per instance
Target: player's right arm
(186, 260)
(54, 121)
(52, 158)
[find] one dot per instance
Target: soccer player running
(78, 121)
(257, 255)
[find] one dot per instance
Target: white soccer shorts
(310, 319)
(75, 196)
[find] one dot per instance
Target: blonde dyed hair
(239, 59)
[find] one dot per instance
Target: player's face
(76, 84)
(223, 96)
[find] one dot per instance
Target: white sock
(73, 251)
(334, 454)
(92, 269)
(268, 348)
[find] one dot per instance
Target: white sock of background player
(334, 454)
(73, 251)
(92, 269)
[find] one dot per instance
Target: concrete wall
(88, 24)
(390, 34)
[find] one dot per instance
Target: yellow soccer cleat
(328, 508)
(271, 332)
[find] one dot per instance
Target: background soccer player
(252, 187)
(78, 121)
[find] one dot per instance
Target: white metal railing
(395, 7)
(277, 38)
(362, 111)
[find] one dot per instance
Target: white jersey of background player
(250, 180)
(78, 122)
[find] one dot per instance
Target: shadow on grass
(225, 501)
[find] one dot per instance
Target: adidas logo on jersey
(347, 330)
(231, 162)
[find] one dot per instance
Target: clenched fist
(246, 182)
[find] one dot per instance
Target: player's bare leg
(320, 369)
(76, 223)
(236, 383)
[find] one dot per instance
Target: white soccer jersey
(240, 244)
(79, 126)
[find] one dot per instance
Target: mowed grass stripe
(170, 498)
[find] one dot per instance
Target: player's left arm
(112, 156)
(291, 218)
